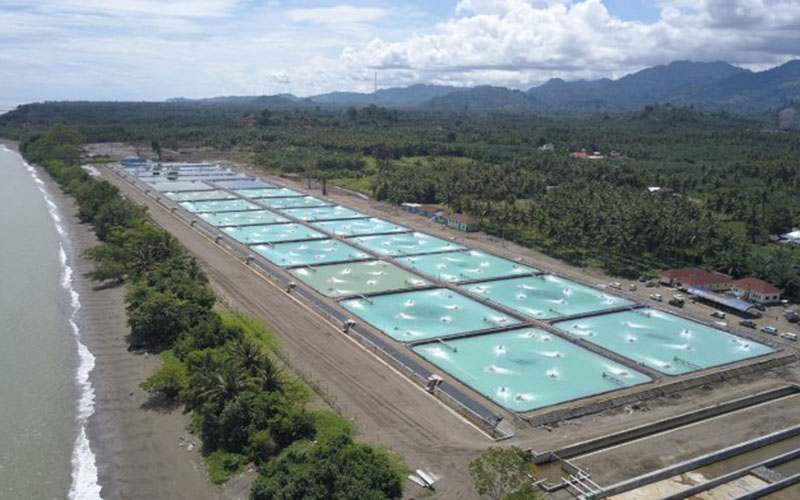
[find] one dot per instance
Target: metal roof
(735, 304)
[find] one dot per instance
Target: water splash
(498, 369)
(499, 350)
(552, 354)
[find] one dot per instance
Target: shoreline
(140, 450)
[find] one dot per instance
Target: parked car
(643, 278)
(650, 284)
(791, 316)
(718, 314)
(770, 330)
(656, 296)
(789, 336)
(631, 287)
(676, 302)
(760, 307)
(616, 285)
(748, 323)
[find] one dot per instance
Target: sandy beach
(142, 450)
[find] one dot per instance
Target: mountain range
(709, 85)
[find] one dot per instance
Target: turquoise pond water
(528, 368)
(406, 244)
(467, 265)
(246, 184)
(243, 218)
(357, 227)
(272, 233)
(546, 296)
(309, 252)
(219, 206)
(268, 193)
(294, 202)
(423, 314)
(200, 195)
(323, 213)
(664, 342)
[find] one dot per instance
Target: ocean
(46, 397)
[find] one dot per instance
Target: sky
(157, 49)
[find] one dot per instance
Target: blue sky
(155, 49)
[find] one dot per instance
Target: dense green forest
(221, 366)
(732, 181)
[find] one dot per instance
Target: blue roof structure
(730, 302)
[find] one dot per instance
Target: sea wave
(84, 485)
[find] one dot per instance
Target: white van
(718, 314)
(789, 336)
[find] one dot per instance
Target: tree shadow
(107, 284)
(161, 404)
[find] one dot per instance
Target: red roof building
(757, 290)
(686, 277)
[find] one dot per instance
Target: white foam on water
(527, 287)
(617, 371)
(438, 352)
(552, 354)
(497, 369)
(680, 347)
(84, 468)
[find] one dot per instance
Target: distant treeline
(220, 365)
(728, 182)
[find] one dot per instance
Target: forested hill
(707, 85)
(715, 85)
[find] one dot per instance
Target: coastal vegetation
(726, 183)
(245, 406)
(504, 474)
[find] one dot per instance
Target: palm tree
(225, 384)
(256, 363)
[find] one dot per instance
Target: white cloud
(155, 49)
(519, 42)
